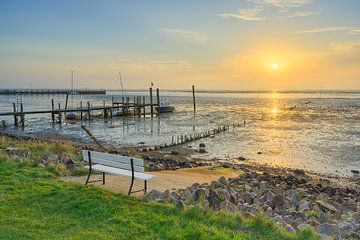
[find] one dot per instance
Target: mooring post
(15, 117)
(112, 101)
(81, 112)
(144, 107)
(158, 100)
(66, 102)
(193, 92)
(88, 110)
(151, 103)
(52, 110)
(105, 110)
(59, 114)
(22, 116)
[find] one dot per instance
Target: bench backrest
(113, 160)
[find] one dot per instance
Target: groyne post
(144, 113)
(15, 117)
(22, 116)
(59, 114)
(52, 110)
(81, 112)
(193, 93)
(88, 110)
(151, 103)
(158, 100)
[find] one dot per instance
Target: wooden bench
(116, 165)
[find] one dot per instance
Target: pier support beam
(15, 117)
(158, 99)
(151, 103)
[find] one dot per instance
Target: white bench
(116, 165)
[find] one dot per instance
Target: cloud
(282, 4)
(184, 35)
(246, 14)
(354, 31)
(156, 65)
(327, 29)
(304, 13)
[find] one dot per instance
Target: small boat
(71, 116)
(122, 112)
(165, 107)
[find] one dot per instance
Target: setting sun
(274, 66)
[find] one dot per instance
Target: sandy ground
(164, 180)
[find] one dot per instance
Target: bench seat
(120, 172)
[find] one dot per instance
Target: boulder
(328, 229)
(200, 195)
(228, 206)
(278, 201)
(214, 199)
(223, 181)
(290, 229)
(327, 206)
(303, 205)
(303, 226)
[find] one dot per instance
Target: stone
(181, 204)
(328, 229)
(174, 197)
(269, 196)
(174, 152)
(313, 223)
(352, 236)
(41, 165)
(202, 145)
(278, 218)
(200, 195)
(290, 229)
(153, 196)
(241, 158)
(278, 201)
(51, 157)
(214, 199)
(299, 172)
(347, 226)
(303, 226)
(269, 212)
(303, 205)
(327, 206)
(216, 184)
(223, 181)
(298, 221)
(355, 171)
(228, 206)
(288, 219)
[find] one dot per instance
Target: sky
(212, 44)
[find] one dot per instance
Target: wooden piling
(22, 116)
(144, 109)
(66, 102)
(15, 117)
(52, 110)
(105, 110)
(151, 103)
(194, 102)
(158, 100)
(59, 114)
(88, 110)
(81, 112)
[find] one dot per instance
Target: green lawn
(34, 204)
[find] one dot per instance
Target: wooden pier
(51, 91)
(138, 107)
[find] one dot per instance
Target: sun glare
(274, 66)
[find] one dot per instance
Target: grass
(36, 205)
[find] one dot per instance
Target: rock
(241, 158)
(313, 223)
(269, 212)
(328, 229)
(303, 205)
(355, 171)
(51, 157)
(201, 145)
(347, 226)
(181, 204)
(228, 206)
(288, 219)
(270, 196)
(223, 181)
(216, 184)
(153, 196)
(298, 221)
(174, 197)
(41, 165)
(299, 172)
(352, 236)
(259, 153)
(202, 150)
(278, 218)
(200, 195)
(290, 229)
(278, 201)
(214, 199)
(327, 206)
(174, 152)
(303, 225)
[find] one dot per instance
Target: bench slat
(112, 157)
(116, 164)
(120, 172)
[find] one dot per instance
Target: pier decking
(138, 105)
(50, 91)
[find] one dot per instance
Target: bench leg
(145, 186)
(88, 178)
(103, 178)
(131, 185)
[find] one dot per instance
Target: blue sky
(213, 44)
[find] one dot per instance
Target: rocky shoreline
(294, 201)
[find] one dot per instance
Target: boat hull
(165, 109)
